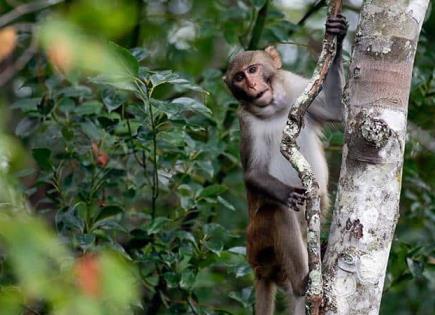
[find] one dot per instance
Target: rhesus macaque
(276, 235)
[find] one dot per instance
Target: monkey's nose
(250, 84)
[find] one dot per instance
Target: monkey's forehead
(246, 58)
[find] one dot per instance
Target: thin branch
(23, 27)
(260, 22)
(421, 136)
(21, 62)
(290, 151)
(311, 10)
(289, 42)
(27, 8)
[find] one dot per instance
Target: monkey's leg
(264, 297)
(296, 303)
(291, 250)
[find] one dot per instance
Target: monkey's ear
(276, 57)
(225, 79)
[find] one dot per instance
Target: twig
(23, 27)
(155, 179)
(290, 151)
(313, 9)
(421, 136)
(26, 9)
(13, 3)
(156, 301)
(289, 42)
(257, 31)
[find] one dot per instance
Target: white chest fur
(266, 136)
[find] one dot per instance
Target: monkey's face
(250, 76)
(253, 85)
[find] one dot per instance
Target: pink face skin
(252, 81)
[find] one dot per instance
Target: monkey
(276, 235)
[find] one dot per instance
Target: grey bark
(290, 150)
(367, 206)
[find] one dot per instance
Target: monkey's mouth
(259, 95)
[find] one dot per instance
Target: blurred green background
(120, 184)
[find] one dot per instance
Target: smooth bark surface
(367, 205)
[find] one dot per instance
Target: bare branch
(290, 151)
(421, 136)
(27, 8)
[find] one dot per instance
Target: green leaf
(183, 235)
(157, 225)
(171, 279)
(26, 127)
(68, 220)
(140, 53)
(179, 82)
(128, 61)
(27, 104)
(76, 91)
(114, 80)
(108, 211)
(162, 77)
(89, 108)
(225, 203)
(240, 250)
(187, 279)
(42, 157)
(213, 191)
(67, 105)
(109, 225)
(258, 3)
(244, 298)
(85, 241)
(215, 236)
(112, 99)
(46, 105)
(416, 267)
(92, 131)
(190, 104)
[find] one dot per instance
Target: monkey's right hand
(297, 198)
(337, 25)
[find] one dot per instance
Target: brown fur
(276, 233)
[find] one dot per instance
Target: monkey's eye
(252, 69)
(239, 77)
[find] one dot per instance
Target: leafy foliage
(131, 156)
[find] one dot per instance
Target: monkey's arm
(327, 106)
(263, 183)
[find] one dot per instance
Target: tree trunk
(367, 206)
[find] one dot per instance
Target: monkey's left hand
(337, 25)
(296, 199)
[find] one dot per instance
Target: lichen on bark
(366, 209)
(289, 149)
